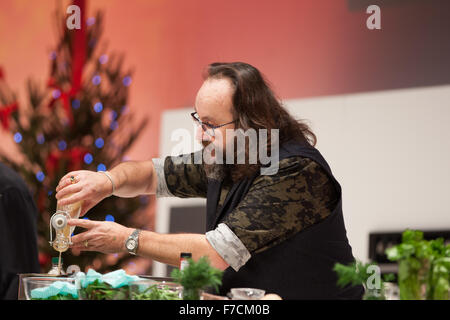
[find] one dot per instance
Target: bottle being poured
(59, 222)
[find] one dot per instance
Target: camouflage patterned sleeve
(279, 206)
(184, 178)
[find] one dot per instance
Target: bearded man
(274, 225)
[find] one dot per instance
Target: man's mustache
(205, 143)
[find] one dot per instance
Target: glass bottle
(184, 256)
(56, 269)
(59, 222)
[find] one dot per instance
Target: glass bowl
(31, 283)
(246, 294)
(155, 290)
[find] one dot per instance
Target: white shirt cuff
(161, 190)
(228, 246)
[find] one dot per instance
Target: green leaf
(196, 276)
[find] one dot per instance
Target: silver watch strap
(135, 236)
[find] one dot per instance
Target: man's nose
(201, 136)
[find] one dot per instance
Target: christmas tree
(78, 120)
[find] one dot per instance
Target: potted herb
(413, 256)
(438, 278)
(197, 276)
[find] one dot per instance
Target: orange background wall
(304, 47)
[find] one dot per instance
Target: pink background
(305, 48)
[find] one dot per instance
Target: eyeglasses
(207, 127)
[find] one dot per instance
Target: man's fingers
(65, 181)
(80, 238)
(72, 199)
(80, 244)
(83, 223)
(81, 247)
(68, 190)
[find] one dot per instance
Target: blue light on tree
(99, 143)
(56, 94)
(96, 80)
(76, 103)
(101, 167)
(113, 115)
(88, 158)
(40, 138)
(126, 81)
(90, 21)
(109, 218)
(114, 125)
(17, 137)
(40, 176)
(98, 107)
(62, 145)
(103, 59)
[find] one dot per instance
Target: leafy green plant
(155, 293)
(423, 267)
(359, 273)
(197, 276)
(103, 291)
(438, 277)
(411, 256)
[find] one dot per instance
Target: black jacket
(18, 237)
(300, 267)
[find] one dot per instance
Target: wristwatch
(132, 242)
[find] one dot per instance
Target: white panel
(390, 150)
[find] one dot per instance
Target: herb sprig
(197, 276)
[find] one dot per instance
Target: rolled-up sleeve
(228, 246)
(161, 189)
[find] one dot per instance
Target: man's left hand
(101, 236)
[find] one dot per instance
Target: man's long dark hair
(256, 106)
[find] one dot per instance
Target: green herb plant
(438, 278)
(197, 276)
(359, 273)
(412, 256)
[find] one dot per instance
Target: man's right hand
(90, 187)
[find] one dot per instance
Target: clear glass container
(31, 283)
(59, 221)
(155, 290)
(246, 294)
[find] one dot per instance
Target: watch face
(131, 244)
